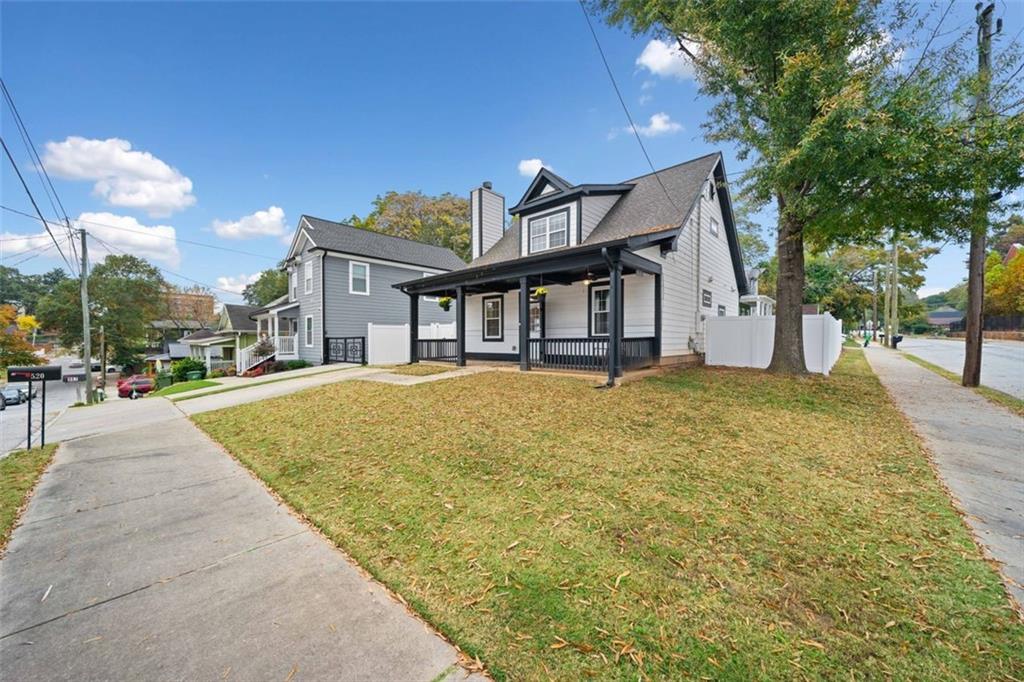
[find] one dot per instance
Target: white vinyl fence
(388, 344)
(748, 341)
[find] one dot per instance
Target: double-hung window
(307, 276)
(358, 278)
(549, 232)
(713, 226)
(599, 311)
(294, 277)
(493, 322)
(309, 331)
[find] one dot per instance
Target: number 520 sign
(40, 373)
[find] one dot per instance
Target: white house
(604, 277)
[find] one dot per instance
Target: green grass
(728, 524)
(1015, 405)
(256, 382)
(185, 386)
(19, 472)
(852, 343)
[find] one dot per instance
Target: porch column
(657, 318)
(524, 324)
(414, 327)
(460, 327)
(614, 321)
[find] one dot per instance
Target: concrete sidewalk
(150, 554)
(978, 448)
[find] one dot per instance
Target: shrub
(179, 368)
(218, 373)
(277, 366)
(296, 364)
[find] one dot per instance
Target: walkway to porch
(606, 348)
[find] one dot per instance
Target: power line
(632, 126)
(34, 204)
(111, 247)
(148, 234)
(35, 251)
(40, 167)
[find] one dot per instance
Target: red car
(141, 384)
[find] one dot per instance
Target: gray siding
(309, 304)
(348, 314)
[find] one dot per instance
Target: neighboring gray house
(600, 277)
(225, 346)
(340, 278)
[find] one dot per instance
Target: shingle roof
(642, 210)
(238, 317)
(197, 335)
(334, 236)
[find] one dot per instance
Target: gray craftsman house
(598, 277)
(341, 278)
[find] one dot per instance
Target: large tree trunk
(788, 355)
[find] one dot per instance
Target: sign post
(41, 373)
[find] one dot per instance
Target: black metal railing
(637, 352)
(587, 354)
(437, 349)
(346, 349)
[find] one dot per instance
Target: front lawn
(19, 472)
(719, 523)
(185, 386)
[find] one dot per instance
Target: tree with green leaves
(751, 236)
(844, 138)
(271, 284)
(439, 220)
(125, 296)
(24, 291)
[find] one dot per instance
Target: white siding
(524, 225)
(474, 325)
(682, 312)
(593, 209)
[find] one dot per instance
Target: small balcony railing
(285, 344)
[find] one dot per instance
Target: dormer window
(549, 232)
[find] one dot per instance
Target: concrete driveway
(1002, 362)
(148, 553)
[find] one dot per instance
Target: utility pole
(895, 327)
(979, 212)
(103, 358)
(874, 303)
(86, 338)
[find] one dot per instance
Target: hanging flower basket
(445, 302)
(539, 293)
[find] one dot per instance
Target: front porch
(590, 310)
(279, 326)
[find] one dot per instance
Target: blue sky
(223, 123)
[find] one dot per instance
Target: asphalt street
(58, 396)
(1002, 362)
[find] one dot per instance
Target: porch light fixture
(586, 280)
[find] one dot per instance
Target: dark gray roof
(332, 236)
(238, 317)
(643, 210)
(198, 335)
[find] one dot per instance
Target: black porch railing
(445, 350)
(346, 349)
(637, 352)
(589, 354)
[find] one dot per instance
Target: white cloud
(123, 176)
(236, 284)
(644, 99)
(530, 167)
(125, 234)
(268, 223)
(287, 238)
(659, 124)
(667, 59)
(12, 244)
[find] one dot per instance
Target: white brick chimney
(487, 218)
